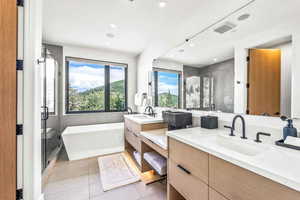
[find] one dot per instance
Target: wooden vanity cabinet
(133, 139)
(188, 171)
(191, 159)
(196, 175)
(214, 195)
(237, 183)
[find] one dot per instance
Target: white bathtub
(93, 140)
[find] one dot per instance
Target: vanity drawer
(237, 183)
(186, 184)
(133, 139)
(192, 159)
(132, 126)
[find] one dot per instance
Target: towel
(137, 99)
(292, 141)
(158, 162)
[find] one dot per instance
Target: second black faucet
(232, 128)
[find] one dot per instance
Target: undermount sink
(238, 145)
(143, 117)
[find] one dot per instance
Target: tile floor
(80, 180)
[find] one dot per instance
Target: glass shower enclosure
(51, 142)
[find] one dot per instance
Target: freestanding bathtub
(93, 140)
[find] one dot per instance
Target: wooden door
(8, 49)
(264, 77)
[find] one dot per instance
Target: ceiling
(87, 22)
(211, 47)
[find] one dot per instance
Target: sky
(167, 82)
(84, 76)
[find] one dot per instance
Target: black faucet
(232, 128)
(129, 110)
(150, 110)
(259, 134)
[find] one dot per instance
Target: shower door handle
(47, 112)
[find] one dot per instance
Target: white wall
(286, 78)
(102, 55)
(167, 64)
(107, 55)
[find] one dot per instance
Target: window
(117, 88)
(95, 86)
(167, 89)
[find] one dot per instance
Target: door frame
(32, 178)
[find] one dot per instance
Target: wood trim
(153, 126)
(8, 96)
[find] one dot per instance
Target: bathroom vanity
(209, 165)
(135, 125)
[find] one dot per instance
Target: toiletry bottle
(289, 130)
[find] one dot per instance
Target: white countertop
(144, 119)
(279, 164)
(158, 136)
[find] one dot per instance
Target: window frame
(155, 80)
(107, 65)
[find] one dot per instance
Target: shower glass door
(50, 140)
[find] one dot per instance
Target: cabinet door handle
(183, 169)
(134, 134)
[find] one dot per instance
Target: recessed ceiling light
(243, 17)
(215, 59)
(110, 35)
(162, 4)
(113, 26)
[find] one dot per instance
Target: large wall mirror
(242, 63)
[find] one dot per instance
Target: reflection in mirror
(241, 63)
(269, 79)
(210, 87)
(166, 87)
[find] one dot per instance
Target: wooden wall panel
(8, 49)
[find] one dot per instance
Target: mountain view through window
(168, 89)
(87, 87)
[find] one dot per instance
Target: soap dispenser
(289, 130)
